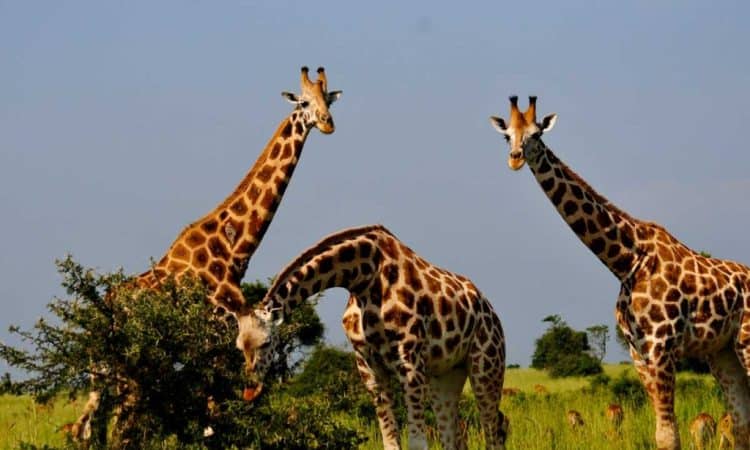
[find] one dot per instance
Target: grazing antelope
(575, 420)
(541, 389)
(726, 431)
(614, 415)
(511, 392)
(702, 430)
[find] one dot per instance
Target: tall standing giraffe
(405, 318)
(673, 301)
(218, 247)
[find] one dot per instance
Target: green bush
(627, 390)
(332, 373)
(167, 368)
(575, 365)
(599, 382)
(564, 351)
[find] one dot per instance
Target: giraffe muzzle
(327, 127)
(249, 394)
(516, 160)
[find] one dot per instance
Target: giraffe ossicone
(673, 302)
(405, 318)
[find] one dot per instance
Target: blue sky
(120, 123)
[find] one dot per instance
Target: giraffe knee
(667, 438)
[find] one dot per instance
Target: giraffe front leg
(376, 384)
(732, 376)
(445, 392)
(658, 378)
(81, 429)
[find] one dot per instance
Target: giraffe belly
(444, 361)
(706, 334)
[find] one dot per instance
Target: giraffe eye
(507, 138)
(304, 103)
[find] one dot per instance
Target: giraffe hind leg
(733, 372)
(486, 374)
(445, 392)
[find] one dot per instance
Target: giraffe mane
(324, 243)
(596, 196)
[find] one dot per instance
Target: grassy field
(538, 421)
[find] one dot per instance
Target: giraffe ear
(277, 316)
(263, 315)
(548, 122)
(499, 124)
(333, 96)
(291, 98)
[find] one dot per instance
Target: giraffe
(673, 301)
(218, 247)
(405, 318)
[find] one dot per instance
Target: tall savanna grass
(538, 421)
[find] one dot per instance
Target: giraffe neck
(235, 228)
(610, 233)
(245, 215)
(348, 259)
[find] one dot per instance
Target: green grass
(537, 421)
(23, 420)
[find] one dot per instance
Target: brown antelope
(541, 389)
(702, 430)
(726, 431)
(511, 392)
(575, 420)
(614, 415)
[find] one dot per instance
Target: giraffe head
(523, 132)
(314, 101)
(257, 339)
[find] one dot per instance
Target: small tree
(598, 336)
(7, 386)
(167, 367)
(564, 351)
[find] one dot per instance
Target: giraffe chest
(695, 316)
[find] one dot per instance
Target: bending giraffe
(405, 318)
(218, 247)
(673, 301)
